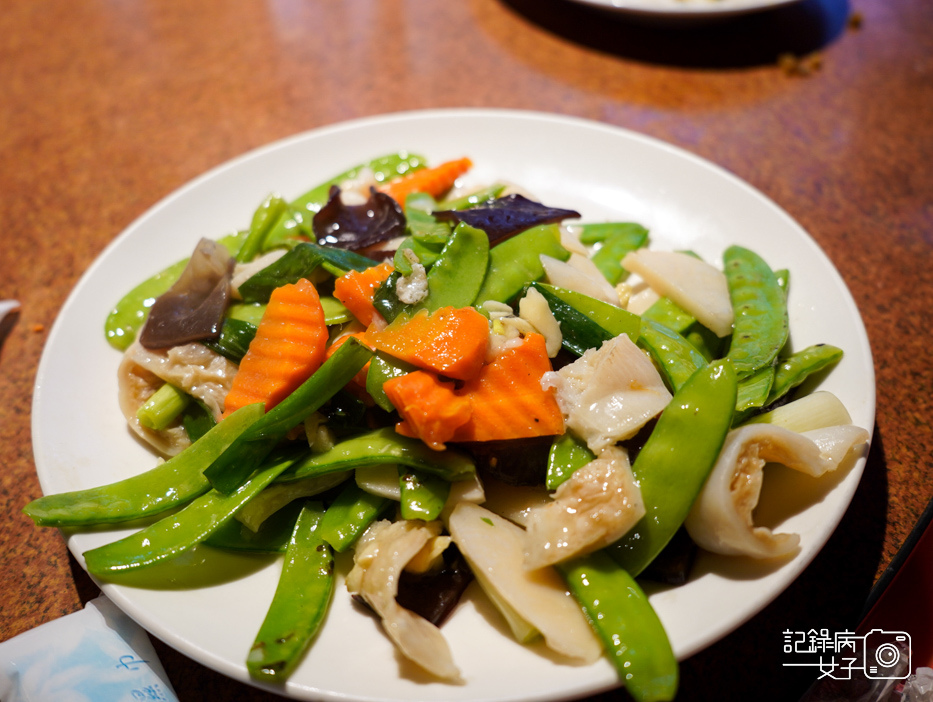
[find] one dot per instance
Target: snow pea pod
(616, 239)
(301, 600)
(129, 314)
(675, 357)
(249, 449)
(567, 453)
(625, 621)
(675, 461)
(759, 304)
(380, 447)
(264, 218)
(384, 367)
(170, 484)
(752, 393)
(179, 532)
(423, 494)
(426, 235)
(515, 261)
(667, 312)
(793, 370)
(457, 275)
(271, 537)
(349, 514)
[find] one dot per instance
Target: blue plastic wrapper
(95, 655)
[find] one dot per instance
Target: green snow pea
(752, 393)
(264, 218)
(795, 369)
(423, 494)
(170, 484)
(676, 460)
(667, 312)
(249, 449)
(623, 618)
(623, 238)
(349, 514)
(246, 312)
(760, 307)
(601, 232)
(380, 447)
(278, 495)
(271, 537)
(426, 235)
(515, 261)
(566, 455)
(129, 314)
(181, 531)
(301, 600)
(674, 356)
(457, 275)
(453, 280)
(384, 367)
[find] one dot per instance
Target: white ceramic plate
(210, 606)
(685, 10)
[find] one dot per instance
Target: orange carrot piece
(288, 347)
(451, 341)
(504, 401)
(434, 181)
(430, 407)
(356, 290)
(507, 399)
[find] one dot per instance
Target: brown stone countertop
(107, 107)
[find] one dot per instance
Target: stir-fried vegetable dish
(459, 386)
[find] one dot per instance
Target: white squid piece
(594, 507)
(609, 393)
(193, 367)
(579, 273)
(532, 601)
(384, 552)
(692, 283)
(721, 518)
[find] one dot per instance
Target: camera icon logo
(887, 655)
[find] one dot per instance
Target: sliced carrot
(288, 347)
(357, 288)
(507, 399)
(434, 181)
(430, 407)
(451, 341)
(504, 401)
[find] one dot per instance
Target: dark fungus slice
(434, 595)
(513, 461)
(355, 227)
(193, 308)
(506, 216)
